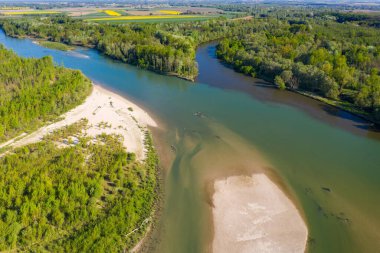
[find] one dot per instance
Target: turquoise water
(306, 145)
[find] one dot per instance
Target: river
(227, 124)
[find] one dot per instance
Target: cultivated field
(150, 18)
(13, 8)
(124, 14)
(32, 12)
(112, 13)
(170, 12)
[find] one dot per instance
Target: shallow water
(245, 127)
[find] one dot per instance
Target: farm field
(156, 14)
(31, 12)
(153, 15)
(13, 8)
(151, 18)
(112, 13)
(178, 9)
(170, 12)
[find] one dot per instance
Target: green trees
(279, 82)
(167, 48)
(80, 198)
(145, 45)
(369, 93)
(309, 51)
(287, 77)
(33, 91)
(321, 57)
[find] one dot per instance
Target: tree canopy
(321, 56)
(34, 91)
(84, 197)
(166, 48)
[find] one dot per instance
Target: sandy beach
(107, 113)
(251, 214)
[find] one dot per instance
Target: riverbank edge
(146, 234)
(342, 105)
(352, 109)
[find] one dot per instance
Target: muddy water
(224, 124)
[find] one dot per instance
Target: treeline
(141, 45)
(369, 19)
(167, 48)
(33, 91)
(337, 61)
(91, 196)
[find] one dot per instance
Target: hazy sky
(189, 1)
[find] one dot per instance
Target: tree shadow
(357, 120)
(343, 114)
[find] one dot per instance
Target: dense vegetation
(140, 45)
(33, 91)
(91, 196)
(330, 54)
(167, 48)
(332, 60)
(368, 19)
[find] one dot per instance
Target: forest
(337, 61)
(166, 48)
(104, 206)
(34, 91)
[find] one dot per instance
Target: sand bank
(251, 214)
(107, 113)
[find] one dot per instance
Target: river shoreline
(349, 108)
(40, 41)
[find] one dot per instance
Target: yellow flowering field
(170, 12)
(142, 17)
(112, 13)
